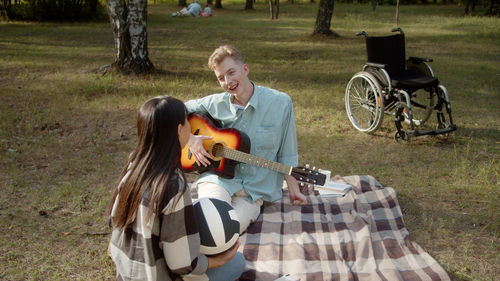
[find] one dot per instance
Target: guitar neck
(246, 158)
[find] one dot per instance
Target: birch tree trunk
(130, 35)
(397, 13)
(324, 18)
(271, 9)
(274, 8)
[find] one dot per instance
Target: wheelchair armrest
(376, 65)
(418, 60)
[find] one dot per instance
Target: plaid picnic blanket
(360, 236)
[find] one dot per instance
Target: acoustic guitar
(229, 147)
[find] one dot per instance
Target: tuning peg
(314, 168)
(307, 166)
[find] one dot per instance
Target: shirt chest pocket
(266, 141)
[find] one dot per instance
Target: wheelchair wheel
(422, 104)
(422, 101)
(364, 103)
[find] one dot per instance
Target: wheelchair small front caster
(401, 135)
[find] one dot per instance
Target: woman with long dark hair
(155, 236)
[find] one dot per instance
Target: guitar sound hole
(217, 149)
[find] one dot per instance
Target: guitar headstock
(307, 175)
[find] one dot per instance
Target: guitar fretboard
(246, 158)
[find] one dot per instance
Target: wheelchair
(390, 84)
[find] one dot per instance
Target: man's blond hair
(221, 53)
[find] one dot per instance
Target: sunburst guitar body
(229, 147)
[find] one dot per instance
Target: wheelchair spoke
(363, 103)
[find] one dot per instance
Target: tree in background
(494, 8)
(324, 18)
(470, 4)
(130, 35)
(249, 4)
(397, 13)
(274, 8)
(51, 10)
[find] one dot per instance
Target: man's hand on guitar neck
(195, 144)
(296, 197)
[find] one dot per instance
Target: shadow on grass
(490, 135)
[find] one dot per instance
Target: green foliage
(403, 2)
(54, 10)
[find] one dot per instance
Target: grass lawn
(65, 131)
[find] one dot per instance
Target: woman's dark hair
(153, 161)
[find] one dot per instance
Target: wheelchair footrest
(416, 133)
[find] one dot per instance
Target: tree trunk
(494, 8)
(397, 13)
(277, 4)
(271, 8)
(469, 4)
(8, 8)
(249, 5)
(274, 8)
(93, 7)
(324, 17)
(130, 35)
(374, 4)
(182, 3)
(118, 11)
(218, 4)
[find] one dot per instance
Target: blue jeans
(231, 271)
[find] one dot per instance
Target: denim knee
(232, 270)
(239, 265)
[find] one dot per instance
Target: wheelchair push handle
(398, 29)
(362, 33)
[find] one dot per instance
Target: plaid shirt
(165, 248)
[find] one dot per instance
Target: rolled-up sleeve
(180, 240)
(196, 105)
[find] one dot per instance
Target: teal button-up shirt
(269, 121)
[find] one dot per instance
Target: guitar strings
(220, 150)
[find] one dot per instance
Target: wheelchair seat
(394, 85)
(412, 80)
